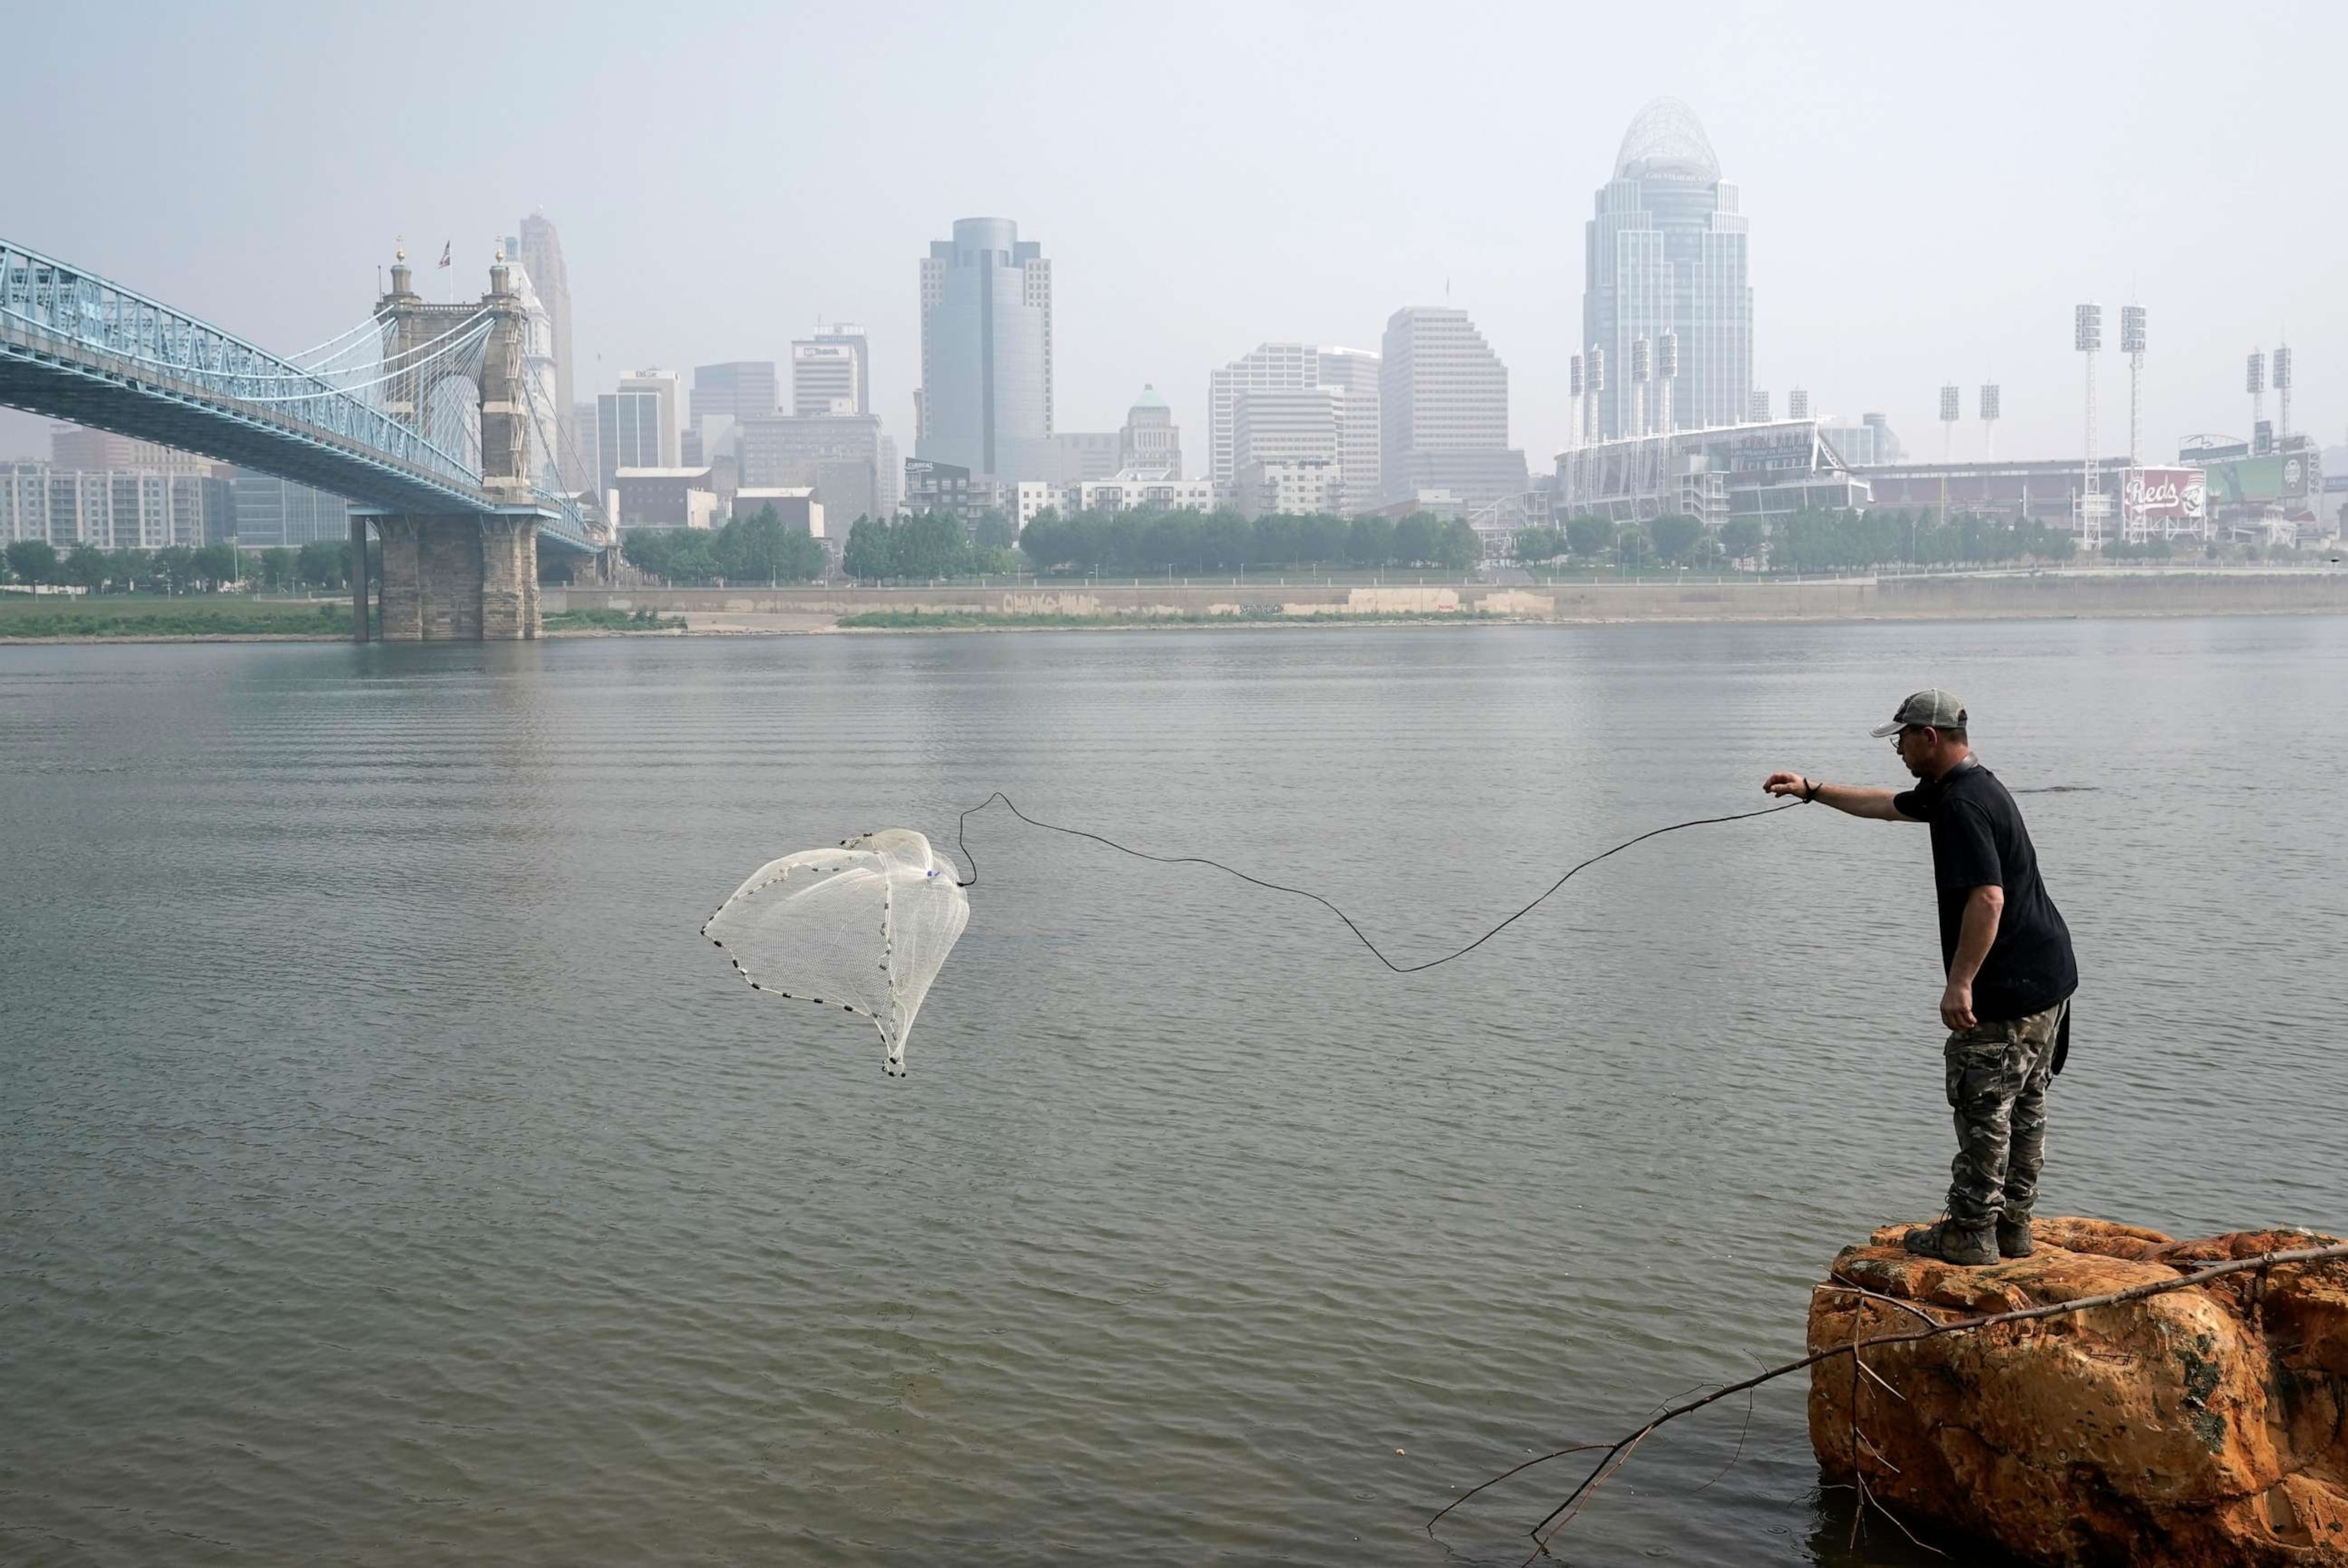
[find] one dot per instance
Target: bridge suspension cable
(470, 345)
(319, 381)
(564, 457)
(371, 324)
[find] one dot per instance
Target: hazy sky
(1930, 189)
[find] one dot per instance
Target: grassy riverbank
(158, 615)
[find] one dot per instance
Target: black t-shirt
(1979, 841)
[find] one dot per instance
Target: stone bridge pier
(463, 579)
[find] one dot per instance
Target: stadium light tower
(2254, 381)
(2132, 346)
(2087, 337)
(2133, 523)
(1667, 372)
(1573, 393)
(1642, 367)
(1952, 410)
(1989, 420)
(2282, 390)
(1757, 406)
(1593, 379)
(1797, 404)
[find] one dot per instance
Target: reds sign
(2167, 492)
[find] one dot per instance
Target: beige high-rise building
(77, 449)
(826, 379)
(1348, 432)
(1444, 411)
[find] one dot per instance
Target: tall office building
(1286, 442)
(585, 430)
(547, 412)
(826, 379)
(1666, 253)
(1350, 374)
(78, 449)
(1444, 411)
(540, 253)
(850, 464)
(723, 395)
(1287, 423)
(985, 399)
(850, 336)
(1360, 438)
(738, 389)
(1269, 366)
(636, 426)
(271, 513)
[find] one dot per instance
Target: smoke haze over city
(1928, 193)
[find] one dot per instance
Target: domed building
(1666, 253)
(1149, 442)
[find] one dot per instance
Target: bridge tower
(459, 577)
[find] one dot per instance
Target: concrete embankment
(2047, 596)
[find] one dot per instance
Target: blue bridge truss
(77, 347)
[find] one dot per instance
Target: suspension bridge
(429, 419)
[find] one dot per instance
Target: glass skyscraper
(985, 402)
(1667, 253)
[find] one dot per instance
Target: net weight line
(962, 824)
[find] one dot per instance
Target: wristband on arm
(1809, 789)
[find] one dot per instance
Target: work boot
(1951, 1241)
(2013, 1237)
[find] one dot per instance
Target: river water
(389, 1175)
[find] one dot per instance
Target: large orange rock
(2207, 1426)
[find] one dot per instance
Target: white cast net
(864, 928)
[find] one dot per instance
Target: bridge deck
(75, 347)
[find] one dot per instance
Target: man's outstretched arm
(1854, 799)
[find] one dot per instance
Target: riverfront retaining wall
(2052, 595)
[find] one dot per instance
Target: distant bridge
(423, 415)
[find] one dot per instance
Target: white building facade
(1335, 390)
(826, 379)
(1444, 410)
(636, 426)
(1139, 491)
(1289, 487)
(139, 509)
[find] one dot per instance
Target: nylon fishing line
(962, 824)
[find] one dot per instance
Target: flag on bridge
(444, 251)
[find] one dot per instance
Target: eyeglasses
(1900, 739)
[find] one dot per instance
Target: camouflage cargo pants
(1997, 1075)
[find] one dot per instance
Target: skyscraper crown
(1666, 141)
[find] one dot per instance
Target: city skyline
(1938, 233)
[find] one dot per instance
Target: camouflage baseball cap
(1935, 707)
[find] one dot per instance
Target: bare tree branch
(1614, 1455)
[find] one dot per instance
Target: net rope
(864, 928)
(962, 822)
